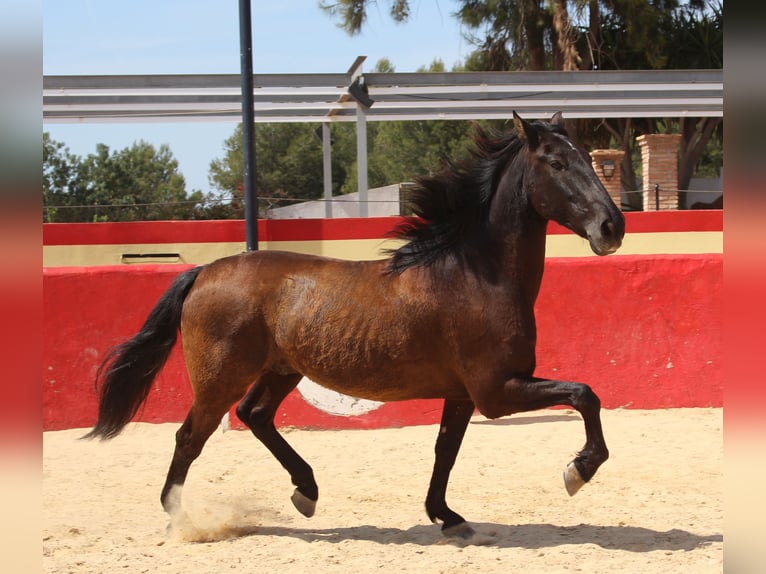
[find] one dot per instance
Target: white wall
(382, 202)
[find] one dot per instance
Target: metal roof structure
(390, 96)
(359, 97)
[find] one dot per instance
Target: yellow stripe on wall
(201, 253)
(359, 249)
(681, 243)
(87, 255)
(354, 249)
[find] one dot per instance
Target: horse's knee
(585, 399)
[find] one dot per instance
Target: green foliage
(507, 34)
(60, 178)
(136, 183)
(289, 156)
(142, 182)
(711, 161)
(384, 66)
(697, 37)
(407, 149)
(352, 13)
(288, 167)
(685, 37)
(532, 35)
(554, 35)
(289, 159)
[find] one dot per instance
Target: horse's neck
(523, 253)
(518, 227)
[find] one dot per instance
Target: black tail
(127, 373)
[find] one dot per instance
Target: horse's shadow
(530, 536)
(562, 416)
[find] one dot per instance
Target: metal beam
(280, 98)
(325, 98)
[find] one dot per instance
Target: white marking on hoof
(172, 502)
(180, 527)
(305, 505)
(572, 479)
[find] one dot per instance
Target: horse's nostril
(607, 229)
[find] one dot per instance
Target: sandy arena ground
(655, 505)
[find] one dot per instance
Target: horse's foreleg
(455, 417)
(530, 394)
(257, 411)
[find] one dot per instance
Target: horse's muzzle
(607, 237)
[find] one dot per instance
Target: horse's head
(561, 185)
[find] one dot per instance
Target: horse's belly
(381, 370)
(391, 386)
(361, 338)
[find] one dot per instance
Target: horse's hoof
(572, 479)
(305, 505)
(461, 530)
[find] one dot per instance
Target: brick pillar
(659, 157)
(613, 184)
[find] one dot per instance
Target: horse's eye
(557, 165)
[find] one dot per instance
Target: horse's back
(266, 287)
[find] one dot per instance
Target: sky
(202, 37)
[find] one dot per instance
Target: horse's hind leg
(200, 423)
(257, 411)
(455, 417)
(216, 389)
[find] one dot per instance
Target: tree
(288, 165)
(402, 150)
(584, 35)
(289, 158)
(508, 34)
(135, 183)
(695, 31)
(61, 183)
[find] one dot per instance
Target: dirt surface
(655, 505)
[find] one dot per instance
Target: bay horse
(449, 314)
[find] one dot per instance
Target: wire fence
(268, 202)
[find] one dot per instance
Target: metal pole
(327, 168)
(248, 126)
(656, 196)
(361, 159)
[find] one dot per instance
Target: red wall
(314, 229)
(643, 331)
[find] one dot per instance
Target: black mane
(451, 207)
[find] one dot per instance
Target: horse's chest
(495, 337)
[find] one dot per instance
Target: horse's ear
(557, 121)
(525, 130)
